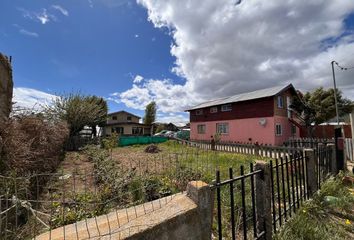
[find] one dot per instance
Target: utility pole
(335, 91)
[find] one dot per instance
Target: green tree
(150, 113)
(102, 115)
(78, 111)
(319, 106)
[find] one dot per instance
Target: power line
(343, 68)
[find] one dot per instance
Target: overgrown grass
(204, 161)
(329, 215)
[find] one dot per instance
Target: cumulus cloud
(30, 98)
(61, 9)
(138, 79)
(168, 96)
(227, 47)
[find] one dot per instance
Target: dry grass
(31, 144)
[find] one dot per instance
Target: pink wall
(243, 129)
(286, 128)
(239, 130)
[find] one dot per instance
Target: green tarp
(126, 141)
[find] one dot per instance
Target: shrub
(31, 144)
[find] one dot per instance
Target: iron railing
(236, 216)
(236, 213)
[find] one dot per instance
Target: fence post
(333, 162)
(311, 171)
(203, 196)
(263, 199)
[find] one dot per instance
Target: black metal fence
(324, 165)
(236, 214)
(288, 186)
(290, 180)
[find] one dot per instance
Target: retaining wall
(180, 216)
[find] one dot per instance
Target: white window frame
(278, 133)
(201, 128)
(213, 109)
(199, 112)
(226, 107)
(224, 127)
(280, 102)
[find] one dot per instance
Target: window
(199, 112)
(137, 130)
(222, 128)
(201, 128)
(114, 117)
(129, 118)
(213, 109)
(226, 108)
(278, 129)
(119, 130)
(293, 129)
(280, 102)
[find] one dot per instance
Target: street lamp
(335, 91)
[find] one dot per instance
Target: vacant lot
(91, 182)
(173, 155)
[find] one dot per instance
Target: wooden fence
(349, 151)
(244, 148)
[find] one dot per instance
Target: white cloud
(138, 79)
(61, 9)
(41, 16)
(177, 119)
(223, 48)
(136, 35)
(45, 17)
(169, 97)
(30, 98)
(25, 32)
(28, 33)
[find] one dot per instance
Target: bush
(30, 144)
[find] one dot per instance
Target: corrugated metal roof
(267, 92)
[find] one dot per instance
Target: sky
(176, 52)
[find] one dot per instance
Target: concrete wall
(6, 87)
(180, 216)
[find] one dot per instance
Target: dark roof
(113, 113)
(127, 123)
(262, 93)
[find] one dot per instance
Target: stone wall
(6, 87)
(180, 216)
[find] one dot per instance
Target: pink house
(261, 116)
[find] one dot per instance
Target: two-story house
(125, 123)
(261, 116)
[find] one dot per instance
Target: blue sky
(94, 50)
(176, 52)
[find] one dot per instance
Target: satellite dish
(262, 121)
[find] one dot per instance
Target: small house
(126, 124)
